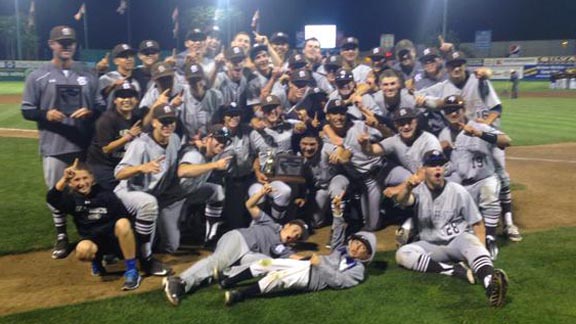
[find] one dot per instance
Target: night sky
(414, 19)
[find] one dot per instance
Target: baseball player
(166, 80)
(264, 238)
(346, 90)
(231, 82)
(195, 52)
(213, 41)
(101, 220)
(147, 171)
(343, 268)
(280, 42)
(450, 230)
(194, 169)
(312, 53)
(392, 95)
(407, 63)
(64, 132)
(472, 145)
(263, 79)
(200, 103)
(115, 129)
(276, 137)
(297, 62)
(124, 58)
(148, 54)
(349, 52)
(379, 58)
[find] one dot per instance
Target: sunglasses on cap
(232, 114)
(450, 110)
(223, 136)
(66, 42)
(125, 55)
(338, 111)
(342, 83)
(435, 162)
(167, 121)
(125, 94)
(149, 52)
(404, 121)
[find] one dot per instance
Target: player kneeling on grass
(263, 239)
(343, 268)
(100, 218)
(449, 227)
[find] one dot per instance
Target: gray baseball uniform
(106, 80)
(245, 245)
(231, 91)
(196, 115)
(410, 157)
(406, 101)
(367, 101)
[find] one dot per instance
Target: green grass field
(541, 268)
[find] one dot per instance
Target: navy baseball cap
(452, 104)
(166, 112)
(235, 54)
(149, 46)
(336, 106)
(270, 102)
(349, 43)
(196, 35)
(377, 54)
(333, 62)
(297, 61)
(162, 69)
(344, 76)
(62, 32)
(122, 50)
(404, 113)
(194, 72)
(429, 54)
(126, 90)
(231, 109)
(455, 58)
(301, 77)
(279, 38)
(221, 133)
(256, 49)
(434, 158)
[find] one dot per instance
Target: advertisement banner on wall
(17, 70)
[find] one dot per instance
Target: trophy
(68, 98)
(283, 167)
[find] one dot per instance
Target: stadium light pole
(18, 42)
(444, 17)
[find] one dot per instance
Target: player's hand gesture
(369, 115)
(103, 65)
(315, 121)
(55, 115)
(261, 39)
(81, 113)
(162, 98)
(257, 123)
(416, 178)
(266, 188)
(223, 163)
(172, 58)
(299, 202)
(363, 139)
(445, 46)
(178, 100)
(393, 191)
(261, 177)
(469, 130)
(154, 166)
(70, 171)
(483, 73)
(300, 127)
(136, 129)
(420, 100)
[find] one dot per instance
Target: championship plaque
(288, 168)
(68, 98)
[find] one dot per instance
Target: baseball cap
(334, 62)
(214, 32)
(402, 46)
(235, 54)
(221, 133)
(231, 109)
(297, 61)
(434, 158)
(126, 90)
(305, 232)
(62, 32)
(349, 42)
(270, 101)
(452, 103)
(194, 71)
(122, 49)
(162, 69)
(404, 54)
(343, 75)
(195, 35)
(279, 38)
(404, 113)
(336, 106)
(377, 53)
(256, 49)
(428, 54)
(369, 241)
(149, 46)
(455, 58)
(166, 112)
(301, 77)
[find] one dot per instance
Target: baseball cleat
(402, 236)
(132, 280)
(492, 247)
(496, 290)
(513, 233)
(219, 278)
(61, 247)
(153, 267)
(462, 271)
(231, 297)
(97, 269)
(174, 289)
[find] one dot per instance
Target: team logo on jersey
(82, 80)
(97, 213)
(302, 73)
(279, 249)
(161, 69)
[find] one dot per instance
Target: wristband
(489, 137)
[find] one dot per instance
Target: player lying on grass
(343, 268)
(101, 221)
(450, 229)
(263, 239)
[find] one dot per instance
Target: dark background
(419, 20)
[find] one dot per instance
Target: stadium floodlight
(326, 34)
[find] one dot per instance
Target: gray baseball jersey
(143, 150)
(107, 80)
(153, 93)
(241, 150)
(410, 157)
(323, 83)
(407, 75)
(231, 91)
(360, 73)
(278, 138)
(263, 236)
(193, 156)
(40, 95)
(208, 64)
(196, 115)
(422, 80)
(406, 101)
(367, 101)
(475, 106)
(441, 219)
(255, 86)
(472, 157)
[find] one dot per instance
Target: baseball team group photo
(260, 161)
